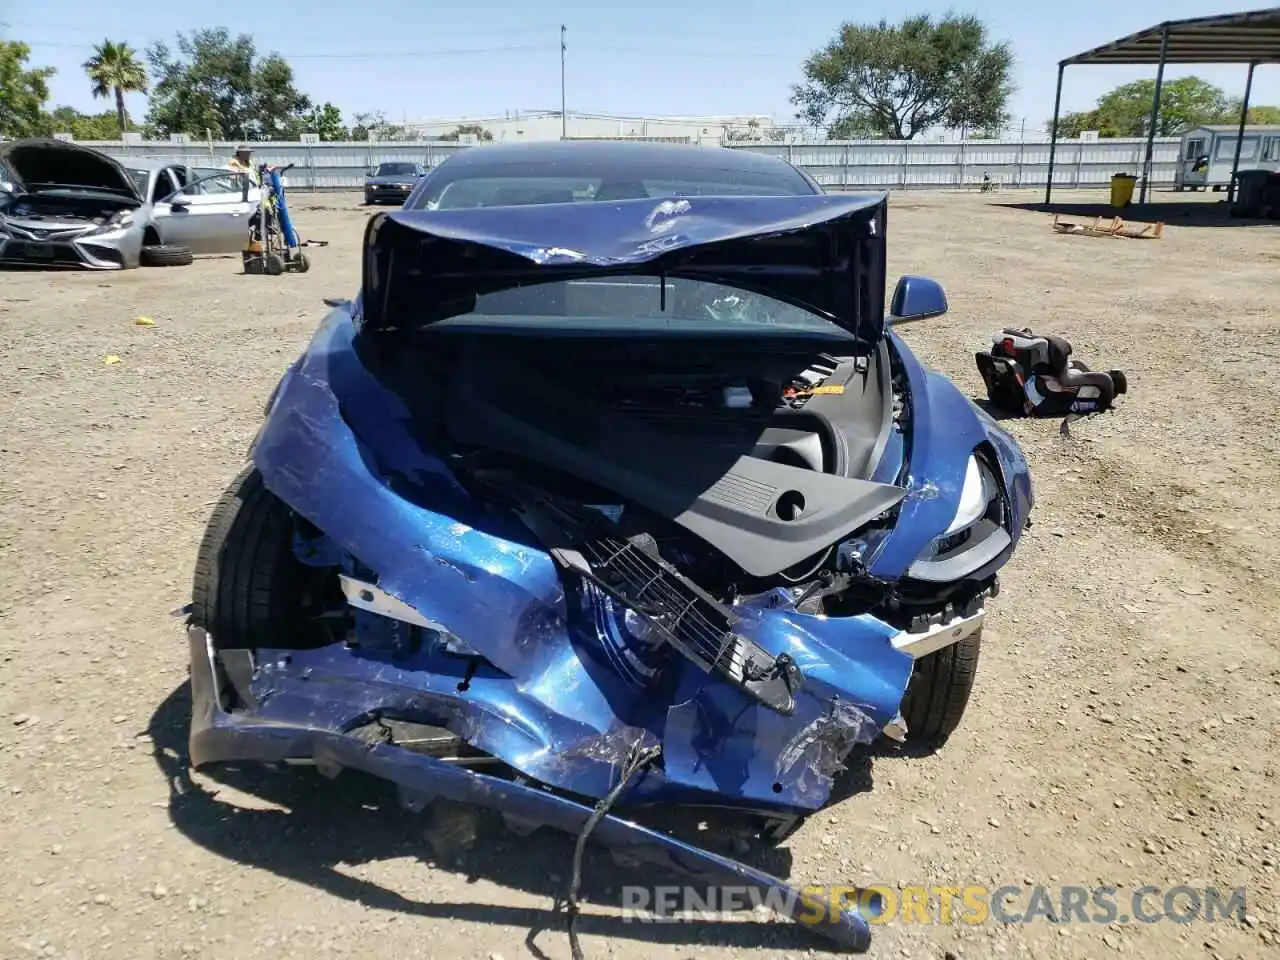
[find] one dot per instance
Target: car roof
(694, 157)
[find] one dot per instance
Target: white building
(547, 125)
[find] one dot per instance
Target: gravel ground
(1123, 730)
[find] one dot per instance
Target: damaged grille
(631, 571)
(694, 623)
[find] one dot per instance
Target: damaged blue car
(613, 488)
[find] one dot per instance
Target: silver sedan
(73, 206)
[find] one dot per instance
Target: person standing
(242, 162)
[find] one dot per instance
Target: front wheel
(938, 692)
(165, 255)
(249, 589)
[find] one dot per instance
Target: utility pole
(564, 115)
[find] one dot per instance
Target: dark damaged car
(613, 486)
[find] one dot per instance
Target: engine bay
(760, 449)
(36, 208)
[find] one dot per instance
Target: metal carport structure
(1252, 38)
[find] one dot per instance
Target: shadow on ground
(1181, 213)
(996, 413)
(358, 819)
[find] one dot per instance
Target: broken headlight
(977, 533)
(979, 489)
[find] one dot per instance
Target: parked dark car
(392, 181)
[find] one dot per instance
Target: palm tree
(114, 68)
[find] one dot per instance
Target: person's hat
(243, 148)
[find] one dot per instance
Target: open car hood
(824, 253)
(36, 162)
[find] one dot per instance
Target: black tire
(273, 263)
(165, 255)
(248, 588)
(939, 692)
(301, 264)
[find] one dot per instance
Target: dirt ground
(1123, 730)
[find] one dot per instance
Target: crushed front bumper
(220, 735)
(920, 643)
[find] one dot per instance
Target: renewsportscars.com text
(970, 904)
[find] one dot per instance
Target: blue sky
(658, 57)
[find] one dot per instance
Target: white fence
(879, 164)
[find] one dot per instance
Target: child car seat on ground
(1028, 373)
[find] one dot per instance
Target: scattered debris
(1115, 228)
(111, 359)
(143, 322)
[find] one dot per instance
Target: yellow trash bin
(1122, 185)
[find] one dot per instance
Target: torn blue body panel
(546, 699)
(218, 734)
(946, 425)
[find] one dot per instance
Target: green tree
(1126, 111)
(23, 92)
(114, 70)
(898, 80)
(1258, 115)
(1071, 125)
(84, 126)
(218, 83)
(463, 129)
(853, 128)
(375, 126)
(279, 111)
(326, 120)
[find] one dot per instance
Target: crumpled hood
(36, 162)
(825, 253)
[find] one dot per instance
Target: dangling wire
(638, 758)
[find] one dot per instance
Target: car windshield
(638, 305)
(396, 170)
(139, 177)
(498, 184)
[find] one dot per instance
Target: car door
(209, 215)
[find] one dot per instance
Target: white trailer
(1208, 153)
